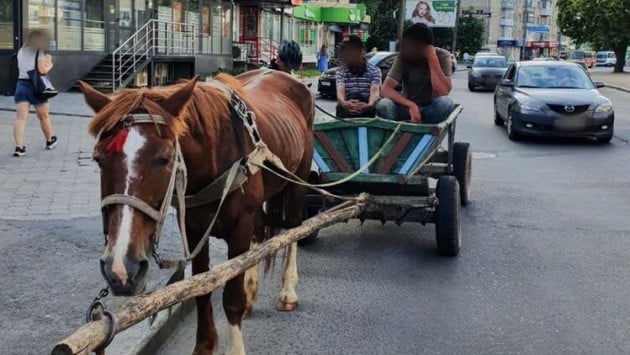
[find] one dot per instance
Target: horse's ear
(95, 99)
(176, 103)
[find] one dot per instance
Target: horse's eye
(162, 161)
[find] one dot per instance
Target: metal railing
(154, 38)
(257, 50)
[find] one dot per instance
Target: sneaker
(53, 142)
(19, 152)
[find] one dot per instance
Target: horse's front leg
(206, 330)
(234, 295)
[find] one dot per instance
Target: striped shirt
(357, 86)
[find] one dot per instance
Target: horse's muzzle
(128, 280)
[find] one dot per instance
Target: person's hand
(352, 106)
(414, 113)
(48, 58)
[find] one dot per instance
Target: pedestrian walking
(32, 57)
(322, 59)
(465, 57)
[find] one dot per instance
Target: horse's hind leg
(251, 275)
(234, 295)
(287, 297)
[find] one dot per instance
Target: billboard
(434, 13)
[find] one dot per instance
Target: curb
(160, 331)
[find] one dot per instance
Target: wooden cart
(396, 162)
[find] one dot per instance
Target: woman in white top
(24, 92)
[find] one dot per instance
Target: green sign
(330, 14)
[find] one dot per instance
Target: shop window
(69, 25)
(41, 15)
(216, 26)
(226, 28)
(6, 24)
(93, 26)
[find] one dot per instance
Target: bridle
(176, 186)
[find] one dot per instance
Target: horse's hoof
(286, 306)
(248, 312)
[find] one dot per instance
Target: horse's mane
(209, 100)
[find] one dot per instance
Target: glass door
(9, 20)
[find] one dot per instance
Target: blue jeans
(435, 112)
(24, 92)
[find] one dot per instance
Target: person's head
(37, 39)
(289, 56)
(414, 41)
(422, 10)
(324, 49)
(351, 51)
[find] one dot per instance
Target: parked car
(606, 59)
(552, 99)
(586, 69)
(327, 83)
(486, 72)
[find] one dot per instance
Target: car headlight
(528, 104)
(604, 107)
(476, 74)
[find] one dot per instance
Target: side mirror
(507, 82)
(599, 84)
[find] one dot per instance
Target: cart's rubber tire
(447, 228)
(312, 238)
(462, 169)
(471, 87)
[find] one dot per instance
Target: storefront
(541, 48)
(83, 32)
(316, 25)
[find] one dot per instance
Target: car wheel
(512, 133)
(471, 87)
(462, 170)
(497, 118)
(447, 227)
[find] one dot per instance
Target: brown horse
(140, 162)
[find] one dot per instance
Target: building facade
(84, 33)
(518, 28)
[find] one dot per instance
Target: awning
(350, 14)
(334, 28)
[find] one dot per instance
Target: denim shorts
(24, 92)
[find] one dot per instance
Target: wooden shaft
(91, 335)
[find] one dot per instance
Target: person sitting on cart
(358, 81)
(425, 74)
(289, 57)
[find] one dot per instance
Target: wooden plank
(321, 164)
(334, 155)
(391, 158)
(415, 154)
(372, 178)
(93, 334)
(376, 138)
(350, 142)
(363, 148)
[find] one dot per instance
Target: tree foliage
(603, 23)
(470, 34)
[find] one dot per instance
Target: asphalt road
(543, 269)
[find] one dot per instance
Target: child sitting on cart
(425, 74)
(358, 81)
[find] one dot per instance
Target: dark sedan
(327, 84)
(552, 99)
(486, 72)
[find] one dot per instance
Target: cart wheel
(312, 238)
(447, 231)
(462, 168)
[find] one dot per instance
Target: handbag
(42, 87)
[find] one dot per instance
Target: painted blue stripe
(323, 167)
(417, 151)
(363, 149)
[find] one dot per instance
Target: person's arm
(374, 88)
(388, 89)
(341, 92)
(440, 67)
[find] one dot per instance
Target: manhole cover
(480, 155)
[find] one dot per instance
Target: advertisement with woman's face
(433, 13)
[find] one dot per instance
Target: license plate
(324, 83)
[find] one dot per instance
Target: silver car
(486, 72)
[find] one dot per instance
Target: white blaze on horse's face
(133, 145)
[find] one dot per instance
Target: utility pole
(454, 47)
(525, 19)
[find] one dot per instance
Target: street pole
(454, 47)
(525, 18)
(401, 18)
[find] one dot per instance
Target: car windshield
(490, 62)
(602, 55)
(375, 58)
(547, 77)
(577, 55)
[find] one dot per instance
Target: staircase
(156, 38)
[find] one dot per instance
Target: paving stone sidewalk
(620, 81)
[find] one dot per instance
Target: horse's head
(136, 157)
